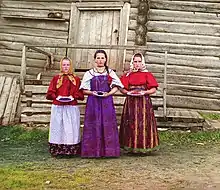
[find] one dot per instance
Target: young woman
(64, 135)
(100, 133)
(138, 130)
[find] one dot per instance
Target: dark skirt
(138, 129)
(62, 149)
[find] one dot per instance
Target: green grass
(210, 116)
(26, 164)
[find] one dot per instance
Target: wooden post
(165, 87)
(23, 69)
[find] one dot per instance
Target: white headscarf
(143, 65)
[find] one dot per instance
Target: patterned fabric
(138, 130)
(100, 133)
(63, 149)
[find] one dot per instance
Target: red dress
(138, 130)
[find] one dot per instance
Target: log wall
(190, 32)
(188, 29)
(28, 22)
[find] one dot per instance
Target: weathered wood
(31, 39)
(183, 38)
(131, 35)
(133, 13)
(9, 105)
(23, 69)
(99, 5)
(184, 49)
(55, 6)
(4, 95)
(193, 93)
(124, 21)
(42, 89)
(174, 69)
(186, 6)
(183, 16)
(165, 86)
(34, 32)
(118, 100)
(193, 87)
(37, 24)
(200, 62)
(173, 125)
(179, 27)
(132, 24)
(2, 82)
(193, 102)
(14, 111)
(29, 13)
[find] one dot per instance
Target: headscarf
(69, 74)
(143, 65)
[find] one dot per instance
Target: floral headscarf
(69, 73)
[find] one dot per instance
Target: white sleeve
(115, 80)
(85, 84)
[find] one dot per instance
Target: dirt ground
(195, 167)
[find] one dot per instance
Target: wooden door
(97, 28)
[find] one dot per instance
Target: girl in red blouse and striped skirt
(138, 129)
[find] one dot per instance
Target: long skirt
(138, 129)
(64, 134)
(100, 132)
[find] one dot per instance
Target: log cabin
(187, 30)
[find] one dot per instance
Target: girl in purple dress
(100, 133)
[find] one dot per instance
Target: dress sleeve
(151, 81)
(85, 85)
(51, 92)
(78, 93)
(124, 81)
(115, 80)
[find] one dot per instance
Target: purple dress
(100, 133)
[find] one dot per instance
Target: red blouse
(139, 78)
(67, 88)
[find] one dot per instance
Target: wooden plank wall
(36, 28)
(190, 31)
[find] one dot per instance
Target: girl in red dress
(64, 135)
(138, 129)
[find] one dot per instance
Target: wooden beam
(23, 69)
(165, 86)
(40, 51)
(82, 46)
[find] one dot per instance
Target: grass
(26, 164)
(210, 116)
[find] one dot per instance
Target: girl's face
(137, 62)
(65, 65)
(100, 59)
